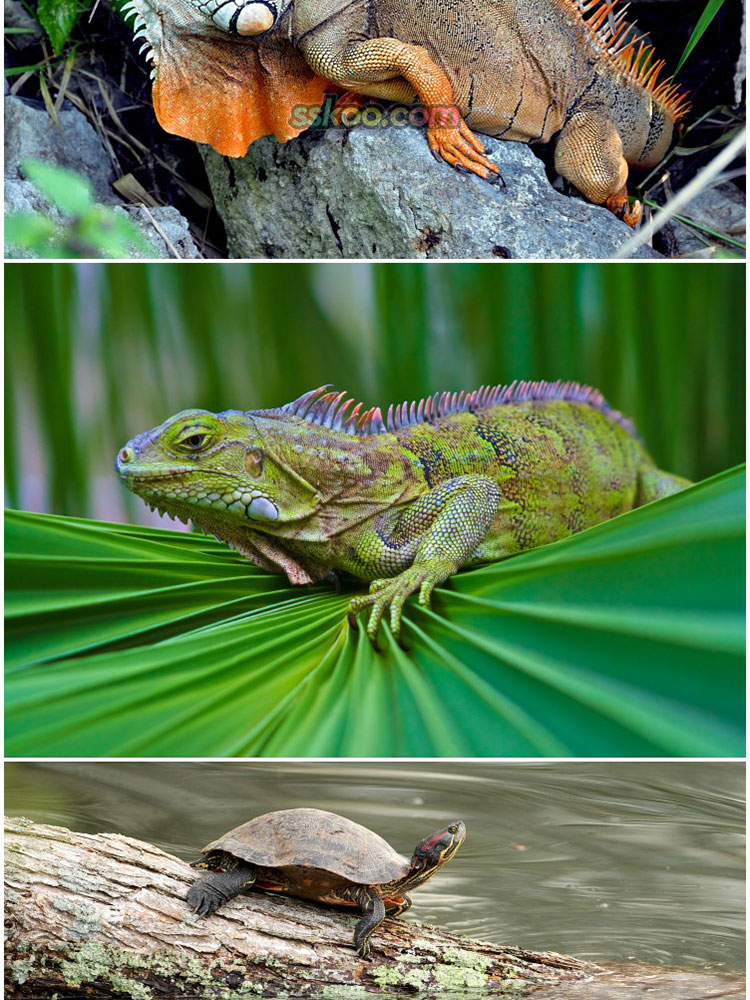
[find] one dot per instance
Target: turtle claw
(364, 950)
(202, 902)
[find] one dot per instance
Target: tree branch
(108, 913)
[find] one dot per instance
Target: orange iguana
(227, 72)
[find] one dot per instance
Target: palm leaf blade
(624, 640)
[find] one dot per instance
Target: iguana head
(211, 468)
(224, 71)
(265, 470)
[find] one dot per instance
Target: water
(605, 861)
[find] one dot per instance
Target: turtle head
(433, 852)
(213, 861)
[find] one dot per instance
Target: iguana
(227, 72)
(320, 486)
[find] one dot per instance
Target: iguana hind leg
(387, 67)
(589, 155)
(653, 484)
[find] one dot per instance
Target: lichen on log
(105, 915)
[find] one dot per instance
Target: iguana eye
(194, 442)
(254, 463)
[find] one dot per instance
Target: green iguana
(317, 486)
(227, 72)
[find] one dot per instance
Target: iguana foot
(458, 146)
(618, 204)
(392, 593)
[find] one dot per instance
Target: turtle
(319, 856)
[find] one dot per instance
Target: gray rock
(30, 134)
(370, 194)
(720, 208)
(168, 223)
(21, 196)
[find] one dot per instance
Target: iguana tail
(653, 484)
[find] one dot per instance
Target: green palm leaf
(625, 640)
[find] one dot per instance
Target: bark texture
(105, 916)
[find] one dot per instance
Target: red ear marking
(230, 93)
(431, 841)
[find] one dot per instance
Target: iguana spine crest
(609, 29)
(140, 28)
(327, 410)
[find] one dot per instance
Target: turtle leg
(373, 914)
(207, 894)
(396, 905)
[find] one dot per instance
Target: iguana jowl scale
(227, 72)
(318, 486)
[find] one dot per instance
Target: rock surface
(721, 209)
(31, 134)
(365, 193)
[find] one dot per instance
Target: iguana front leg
(589, 155)
(387, 67)
(437, 532)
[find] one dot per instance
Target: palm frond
(625, 640)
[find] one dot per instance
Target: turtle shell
(314, 838)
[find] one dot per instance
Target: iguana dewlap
(318, 486)
(227, 72)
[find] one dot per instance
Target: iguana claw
(458, 146)
(619, 205)
(392, 593)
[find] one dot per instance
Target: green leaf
(709, 13)
(112, 234)
(58, 18)
(64, 188)
(28, 229)
(18, 70)
(624, 640)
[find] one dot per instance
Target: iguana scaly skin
(318, 486)
(228, 71)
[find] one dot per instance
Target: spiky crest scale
(326, 409)
(132, 9)
(609, 29)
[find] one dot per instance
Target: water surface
(605, 861)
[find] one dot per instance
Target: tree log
(104, 915)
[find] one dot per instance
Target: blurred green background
(96, 353)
